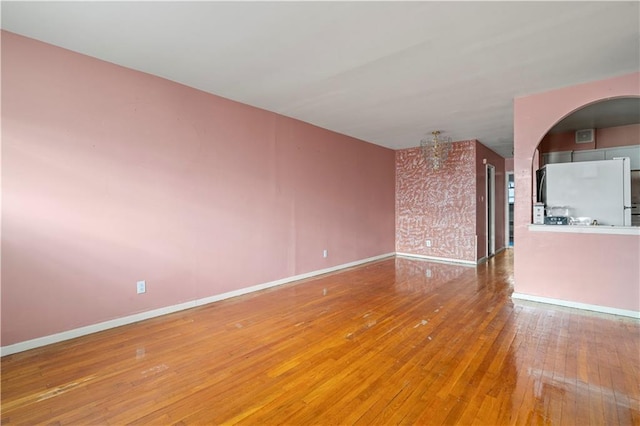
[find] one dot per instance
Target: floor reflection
(397, 341)
(522, 362)
(420, 276)
(576, 366)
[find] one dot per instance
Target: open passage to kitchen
(591, 177)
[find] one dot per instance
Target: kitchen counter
(587, 229)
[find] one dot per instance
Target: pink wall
(485, 155)
(605, 138)
(618, 136)
(437, 205)
(508, 164)
(571, 267)
(447, 206)
(112, 176)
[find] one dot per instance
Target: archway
(601, 130)
(569, 268)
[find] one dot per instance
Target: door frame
(490, 210)
(507, 230)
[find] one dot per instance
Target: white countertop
(587, 229)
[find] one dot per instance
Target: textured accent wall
(437, 205)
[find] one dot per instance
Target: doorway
(491, 210)
(510, 196)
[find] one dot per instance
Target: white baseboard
(437, 259)
(484, 259)
(264, 286)
(577, 305)
(93, 328)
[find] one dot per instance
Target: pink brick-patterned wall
(437, 205)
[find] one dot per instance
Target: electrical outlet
(141, 287)
(428, 243)
(325, 253)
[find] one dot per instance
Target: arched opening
(599, 131)
(590, 267)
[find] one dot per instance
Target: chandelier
(435, 150)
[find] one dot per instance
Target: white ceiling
(384, 72)
(609, 113)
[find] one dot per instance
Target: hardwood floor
(395, 341)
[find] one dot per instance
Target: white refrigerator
(600, 190)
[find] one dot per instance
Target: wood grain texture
(395, 341)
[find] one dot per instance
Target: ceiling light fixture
(435, 150)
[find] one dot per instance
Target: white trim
(282, 281)
(93, 328)
(475, 247)
(490, 209)
(577, 229)
(577, 305)
(130, 319)
(506, 207)
(484, 259)
(437, 259)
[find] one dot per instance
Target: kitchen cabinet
(632, 152)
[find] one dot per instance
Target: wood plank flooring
(396, 341)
